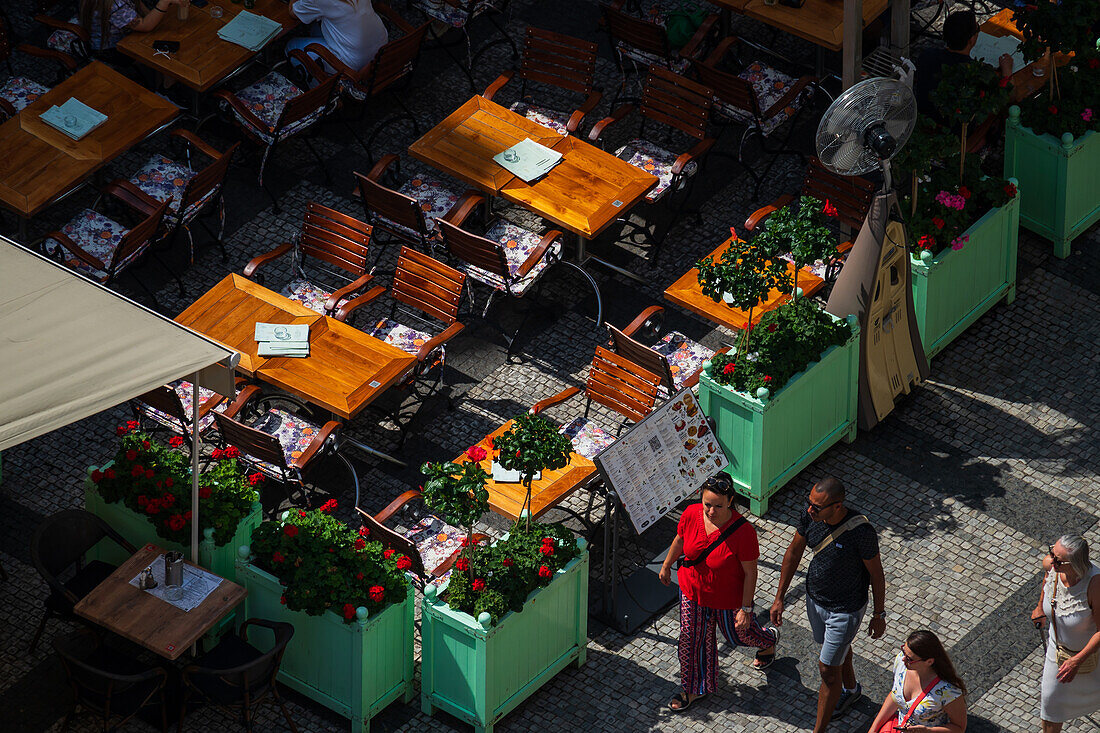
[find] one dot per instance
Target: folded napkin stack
(282, 339)
(249, 30)
(74, 118)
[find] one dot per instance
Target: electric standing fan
(859, 133)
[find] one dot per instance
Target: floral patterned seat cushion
(266, 99)
(21, 91)
(293, 433)
(588, 438)
(769, 84)
(182, 389)
(408, 340)
(517, 243)
(685, 357)
(435, 198)
(552, 118)
(449, 14)
(655, 160)
(310, 295)
(64, 41)
(644, 59)
(98, 236)
(166, 180)
(436, 541)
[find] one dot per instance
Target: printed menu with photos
(662, 460)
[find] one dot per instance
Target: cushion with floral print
(435, 198)
(293, 433)
(266, 99)
(308, 294)
(164, 179)
(98, 236)
(358, 92)
(408, 340)
(769, 84)
(449, 14)
(685, 357)
(555, 120)
(65, 41)
(517, 243)
(645, 59)
(21, 91)
(436, 541)
(657, 161)
(587, 437)
(182, 389)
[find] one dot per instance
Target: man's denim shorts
(835, 631)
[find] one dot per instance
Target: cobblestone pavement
(967, 481)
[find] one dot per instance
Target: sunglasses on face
(820, 507)
(908, 659)
(1055, 560)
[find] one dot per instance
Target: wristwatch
(880, 614)
(748, 609)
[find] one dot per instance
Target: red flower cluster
(277, 557)
(364, 531)
(772, 327)
(462, 564)
(1010, 189)
(360, 543)
(290, 530)
(387, 554)
(1052, 109)
(507, 562)
(176, 441)
(926, 242)
(476, 453)
(301, 513)
(767, 378)
(205, 492)
(131, 455)
(377, 593)
(404, 563)
(176, 522)
(545, 572)
(231, 452)
(255, 478)
(349, 611)
(478, 585)
(938, 222)
(137, 471)
(964, 192)
(829, 209)
(547, 550)
(282, 600)
(329, 506)
(729, 368)
(130, 425)
(97, 476)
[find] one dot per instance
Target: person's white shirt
(352, 30)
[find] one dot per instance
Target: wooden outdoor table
(686, 293)
(149, 621)
(464, 144)
(546, 493)
(39, 164)
(1024, 82)
(345, 370)
(203, 59)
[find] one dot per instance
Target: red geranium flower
(329, 506)
(1010, 189)
(772, 327)
(169, 482)
(387, 554)
(475, 453)
(145, 444)
(187, 515)
(131, 455)
(767, 378)
(97, 476)
(142, 500)
(462, 564)
(545, 572)
(404, 563)
(478, 585)
(377, 593)
(290, 530)
(168, 499)
(1052, 109)
(729, 368)
(465, 542)
(939, 223)
(205, 492)
(349, 611)
(926, 242)
(547, 550)
(282, 600)
(133, 424)
(358, 576)
(277, 557)
(360, 543)
(829, 209)
(121, 430)
(152, 506)
(216, 453)
(301, 513)
(1003, 82)
(149, 473)
(507, 562)
(964, 192)
(231, 452)
(364, 531)
(176, 441)
(137, 471)
(109, 473)
(176, 522)
(255, 478)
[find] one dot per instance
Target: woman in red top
(717, 592)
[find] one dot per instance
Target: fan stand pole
(913, 181)
(962, 151)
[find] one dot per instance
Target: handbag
(892, 725)
(685, 562)
(681, 25)
(1061, 651)
(836, 533)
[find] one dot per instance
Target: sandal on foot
(684, 700)
(763, 661)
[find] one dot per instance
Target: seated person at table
(349, 28)
(960, 33)
(107, 21)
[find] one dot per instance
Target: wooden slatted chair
(507, 258)
(558, 61)
(68, 37)
(677, 359)
(430, 543)
(274, 109)
(17, 91)
(168, 408)
(430, 292)
(330, 261)
(406, 211)
(616, 383)
(757, 96)
(676, 106)
(640, 44)
(851, 195)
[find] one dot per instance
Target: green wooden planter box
(1059, 181)
(770, 440)
(954, 288)
(478, 672)
(139, 531)
(354, 669)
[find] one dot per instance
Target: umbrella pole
(195, 468)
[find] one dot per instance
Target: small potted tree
(351, 606)
(532, 445)
(477, 659)
(145, 494)
(1051, 141)
(789, 390)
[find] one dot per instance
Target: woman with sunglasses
(716, 590)
(1071, 600)
(927, 696)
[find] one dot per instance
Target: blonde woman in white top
(1073, 582)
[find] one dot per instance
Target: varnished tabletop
(39, 163)
(203, 59)
(463, 145)
(345, 370)
(818, 21)
(686, 293)
(546, 493)
(584, 193)
(149, 621)
(1024, 82)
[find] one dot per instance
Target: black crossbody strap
(690, 562)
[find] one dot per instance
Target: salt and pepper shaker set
(173, 576)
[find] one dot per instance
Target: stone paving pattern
(967, 481)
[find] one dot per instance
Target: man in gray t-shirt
(842, 568)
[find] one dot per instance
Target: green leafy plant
(786, 340)
(326, 565)
(801, 232)
(498, 578)
(970, 93)
(1064, 26)
(154, 480)
(457, 490)
(1077, 111)
(944, 209)
(532, 444)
